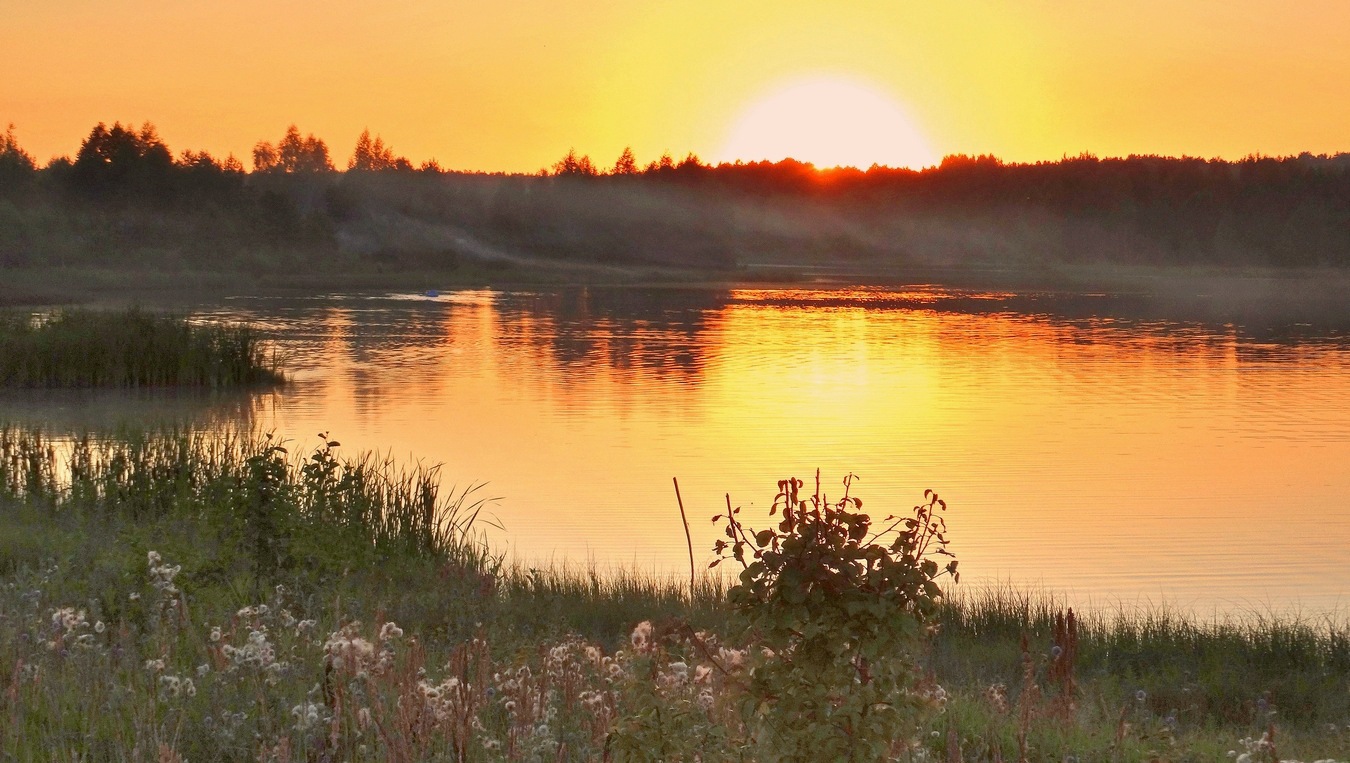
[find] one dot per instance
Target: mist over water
(1081, 450)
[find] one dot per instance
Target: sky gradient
(513, 86)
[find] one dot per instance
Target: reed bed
(269, 513)
(178, 595)
(129, 349)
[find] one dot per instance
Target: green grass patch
(129, 349)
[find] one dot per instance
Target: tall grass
(1230, 671)
(266, 513)
(130, 348)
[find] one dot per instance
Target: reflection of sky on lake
(1096, 455)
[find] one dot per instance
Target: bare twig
(688, 540)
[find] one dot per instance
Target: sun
(830, 122)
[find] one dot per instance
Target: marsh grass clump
(250, 512)
(129, 349)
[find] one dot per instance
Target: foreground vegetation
(182, 596)
(129, 348)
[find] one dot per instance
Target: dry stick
(688, 540)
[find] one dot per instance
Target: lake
(1083, 451)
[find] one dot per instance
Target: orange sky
(513, 85)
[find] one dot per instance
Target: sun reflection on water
(1096, 455)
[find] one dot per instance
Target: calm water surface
(1104, 458)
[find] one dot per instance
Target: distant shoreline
(1210, 294)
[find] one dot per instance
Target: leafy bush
(838, 610)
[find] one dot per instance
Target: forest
(127, 201)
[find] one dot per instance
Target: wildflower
(705, 699)
(153, 557)
(99, 627)
(702, 673)
(1141, 695)
(68, 619)
(642, 634)
(347, 651)
(938, 695)
(307, 715)
(732, 658)
(215, 633)
(154, 666)
(390, 631)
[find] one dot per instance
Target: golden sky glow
(831, 121)
(512, 86)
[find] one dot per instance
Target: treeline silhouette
(126, 200)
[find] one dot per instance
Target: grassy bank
(200, 597)
(126, 349)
